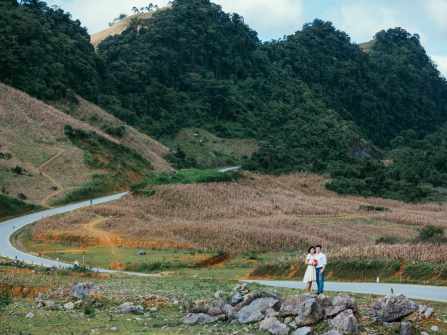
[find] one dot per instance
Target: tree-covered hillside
(313, 100)
(44, 52)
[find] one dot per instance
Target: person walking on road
(321, 266)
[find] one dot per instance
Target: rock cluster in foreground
(300, 314)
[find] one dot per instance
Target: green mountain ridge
(312, 101)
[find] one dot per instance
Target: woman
(310, 276)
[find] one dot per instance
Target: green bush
(419, 271)
(388, 240)
(5, 299)
(363, 269)
(12, 207)
(432, 234)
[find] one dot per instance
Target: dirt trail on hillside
(59, 187)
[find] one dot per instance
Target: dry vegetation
(258, 213)
(32, 132)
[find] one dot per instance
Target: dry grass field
(32, 137)
(259, 213)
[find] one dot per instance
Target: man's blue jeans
(320, 281)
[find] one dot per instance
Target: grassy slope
(209, 150)
(10, 207)
(32, 134)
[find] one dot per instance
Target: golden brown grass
(33, 132)
(258, 213)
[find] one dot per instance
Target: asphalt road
(421, 292)
(8, 228)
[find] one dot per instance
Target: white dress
(311, 274)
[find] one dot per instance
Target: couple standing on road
(316, 262)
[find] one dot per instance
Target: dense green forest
(45, 53)
(313, 100)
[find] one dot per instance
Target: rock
(332, 332)
(424, 333)
(249, 298)
(274, 326)
(406, 328)
(338, 304)
(83, 290)
(434, 329)
(114, 329)
(345, 322)
(309, 313)
(255, 310)
(393, 308)
(236, 298)
(30, 315)
(229, 311)
(198, 318)
(428, 313)
(303, 331)
(219, 295)
(129, 308)
(141, 253)
(69, 306)
(291, 306)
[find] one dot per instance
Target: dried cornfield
(260, 213)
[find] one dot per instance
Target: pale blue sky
(361, 19)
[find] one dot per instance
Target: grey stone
(69, 306)
(141, 253)
(428, 313)
(332, 332)
(274, 326)
(229, 311)
(434, 329)
(236, 298)
(83, 290)
(291, 306)
(338, 304)
(30, 315)
(130, 308)
(255, 311)
(303, 331)
(393, 308)
(309, 313)
(345, 322)
(198, 318)
(406, 328)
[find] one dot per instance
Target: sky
(273, 19)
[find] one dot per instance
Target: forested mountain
(45, 53)
(313, 100)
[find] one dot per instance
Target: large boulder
(198, 318)
(274, 326)
(256, 310)
(83, 290)
(393, 308)
(292, 305)
(336, 305)
(345, 322)
(309, 312)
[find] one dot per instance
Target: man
(322, 262)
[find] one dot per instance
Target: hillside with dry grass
(39, 164)
(259, 213)
(116, 29)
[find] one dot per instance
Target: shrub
(5, 299)
(432, 234)
(419, 271)
(388, 240)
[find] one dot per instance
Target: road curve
(8, 228)
(420, 292)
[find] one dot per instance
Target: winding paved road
(8, 228)
(421, 292)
